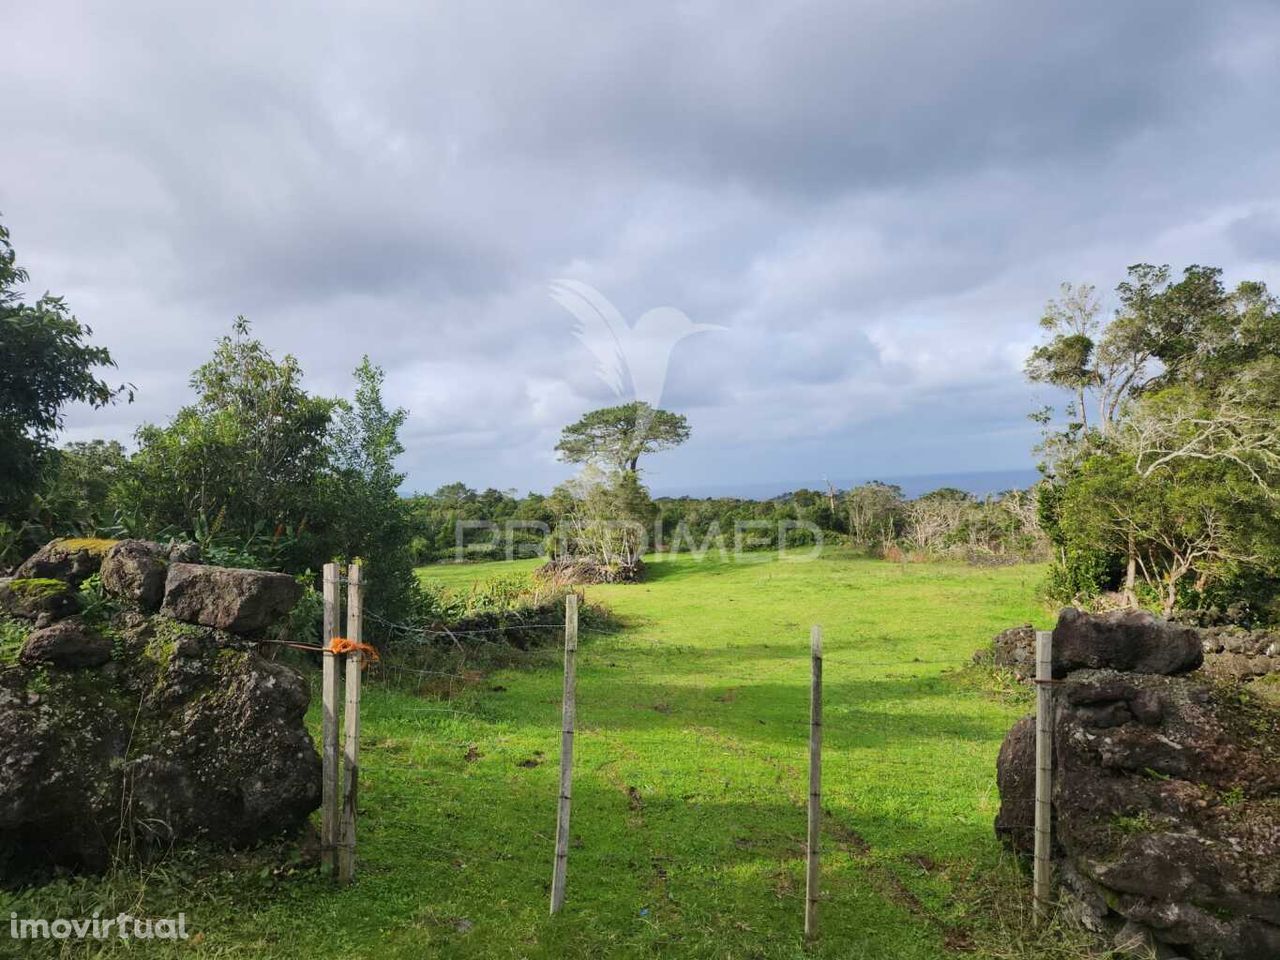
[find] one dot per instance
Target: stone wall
(142, 715)
(1237, 653)
(1230, 652)
(1166, 792)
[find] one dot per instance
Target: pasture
(689, 793)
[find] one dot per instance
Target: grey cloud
(875, 199)
(1257, 235)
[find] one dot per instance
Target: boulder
(1165, 793)
(183, 736)
(40, 599)
(71, 560)
(67, 643)
(135, 570)
(241, 601)
(1015, 650)
(1016, 779)
(184, 552)
(1131, 640)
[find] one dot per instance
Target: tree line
(256, 469)
(458, 522)
(1161, 468)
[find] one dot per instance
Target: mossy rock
(71, 560)
(1267, 690)
(36, 598)
(37, 588)
(97, 546)
(186, 734)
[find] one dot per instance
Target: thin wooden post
(1044, 772)
(811, 880)
(569, 710)
(351, 733)
(329, 725)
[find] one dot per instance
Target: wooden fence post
(351, 733)
(329, 726)
(811, 881)
(569, 711)
(1044, 772)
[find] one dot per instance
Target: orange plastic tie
(340, 645)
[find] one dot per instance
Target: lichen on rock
(241, 601)
(67, 643)
(135, 571)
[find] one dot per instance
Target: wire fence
(906, 766)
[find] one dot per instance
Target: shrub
(1081, 575)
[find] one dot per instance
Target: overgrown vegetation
(13, 633)
(1164, 467)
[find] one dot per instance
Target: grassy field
(690, 787)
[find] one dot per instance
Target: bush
(1081, 575)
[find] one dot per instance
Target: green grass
(689, 791)
(462, 575)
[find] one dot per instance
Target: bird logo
(633, 359)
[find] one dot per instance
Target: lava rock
(71, 560)
(1234, 653)
(1015, 650)
(1130, 640)
(182, 737)
(1016, 779)
(1165, 791)
(241, 601)
(184, 552)
(67, 643)
(40, 599)
(135, 570)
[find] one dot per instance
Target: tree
(245, 461)
(1067, 359)
(46, 362)
(1239, 426)
(1194, 331)
(875, 510)
(75, 494)
(1174, 482)
(367, 516)
(604, 517)
(1185, 531)
(618, 436)
(933, 518)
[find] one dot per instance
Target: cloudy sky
(874, 199)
